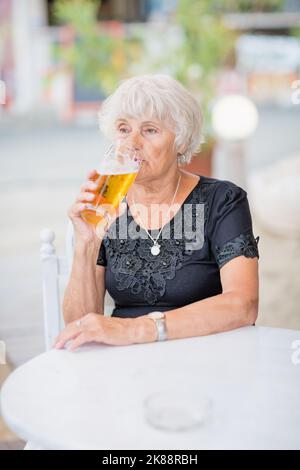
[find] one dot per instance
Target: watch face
(156, 315)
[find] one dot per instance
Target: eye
(124, 130)
(151, 130)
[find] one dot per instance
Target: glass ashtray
(177, 410)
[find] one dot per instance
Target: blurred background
(60, 59)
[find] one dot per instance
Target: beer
(117, 171)
(111, 190)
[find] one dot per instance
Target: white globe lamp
(234, 120)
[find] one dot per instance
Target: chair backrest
(53, 267)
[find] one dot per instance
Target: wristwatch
(160, 321)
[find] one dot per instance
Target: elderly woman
(166, 283)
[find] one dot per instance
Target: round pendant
(155, 250)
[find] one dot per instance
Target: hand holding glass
(115, 175)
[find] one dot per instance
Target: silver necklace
(155, 248)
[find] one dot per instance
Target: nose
(135, 141)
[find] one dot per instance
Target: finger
(92, 174)
(89, 186)
(85, 196)
(73, 329)
(70, 332)
(76, 209)
(60, 344)
(80, 340)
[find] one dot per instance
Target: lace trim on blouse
(244, 244)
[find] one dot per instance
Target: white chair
(53, 268)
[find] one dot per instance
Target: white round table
(94, 397)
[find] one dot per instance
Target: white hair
(160, 97)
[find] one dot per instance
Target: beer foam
(114, 170)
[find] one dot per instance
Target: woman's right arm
(85, 290)
(86, 287)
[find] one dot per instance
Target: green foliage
(295, 32)
(99, 58)
(102, 59)
(253, 5)
(206, 45)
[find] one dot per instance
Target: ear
(180, 150)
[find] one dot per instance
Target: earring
(181, 158)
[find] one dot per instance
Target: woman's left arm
(237, 306)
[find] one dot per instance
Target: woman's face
(153, 142)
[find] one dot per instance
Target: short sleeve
(101, 260)
(231, 232)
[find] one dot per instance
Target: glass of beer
(116, 173)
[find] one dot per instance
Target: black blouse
(187, 268)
